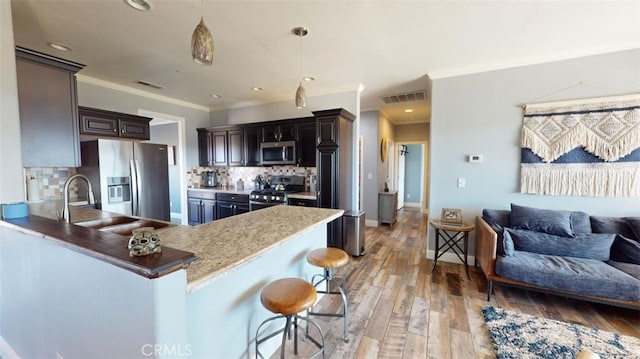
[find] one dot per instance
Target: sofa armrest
(486, 245)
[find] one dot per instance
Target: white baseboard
(175, 215)
(450, 257)
(370, 223)
(412, 204)
(6, 351)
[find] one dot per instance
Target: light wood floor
(398, 308)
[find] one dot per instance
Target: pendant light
(202, 42)
(301, 93)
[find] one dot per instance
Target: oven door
(255, 205)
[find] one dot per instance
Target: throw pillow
(634, 223)
(497, 219)
(594, 246)
(615, 225)
(580, 222)
(548, 221)
(625, 250)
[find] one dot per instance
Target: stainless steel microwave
(278, 153)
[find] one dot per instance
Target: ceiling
(388, 47)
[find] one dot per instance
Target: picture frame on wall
(451, 215)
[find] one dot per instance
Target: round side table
(452, 234)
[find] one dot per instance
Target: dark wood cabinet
(240, 145)
(334, 166)
(231, 204)
(205, 147)
(307, 144)
(235, 147)
(219, 148)
(103, 123)
(252, 137)
(47, 96)
(201, 207)
(279, 132)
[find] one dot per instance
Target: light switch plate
(462, 182)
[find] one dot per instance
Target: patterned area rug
(517, 335)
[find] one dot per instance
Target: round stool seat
(288, 296)
(328, 257)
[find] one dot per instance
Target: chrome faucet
(64, 214)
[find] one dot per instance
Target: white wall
(107, 96)
(56, 300)
(482, 114)
(11, 181)
(285, 109)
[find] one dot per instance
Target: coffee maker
(209, 179)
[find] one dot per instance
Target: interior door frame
(424, 185)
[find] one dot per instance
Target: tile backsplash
(49, 182)
(230, 175)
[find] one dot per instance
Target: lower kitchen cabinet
(231, 204)
(201, 207)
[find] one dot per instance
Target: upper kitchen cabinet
(252, 137)
(221, 147)
(47, 97)
(307, 143)
(279, 132)
(103, 123)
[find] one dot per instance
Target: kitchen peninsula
(209, 309)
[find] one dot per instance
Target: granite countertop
(303, 195)
(226, 244)
(219, 246)
(230, 189)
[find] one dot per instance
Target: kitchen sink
(123, 225)
(105, 222)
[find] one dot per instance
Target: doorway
(412, 159)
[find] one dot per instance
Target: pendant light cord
(300, 72)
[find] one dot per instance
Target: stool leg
(287, 332)
(329, 279)
(320, 345)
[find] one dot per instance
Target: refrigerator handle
(135, 188)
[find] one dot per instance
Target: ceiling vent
(405, 97)
(149, 84)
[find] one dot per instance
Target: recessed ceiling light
(408, 110)
(141, 5)
(309, 78)
(255, 88)
(59, 46)
(215, 95)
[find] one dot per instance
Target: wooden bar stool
(328, 259)
(287, 297)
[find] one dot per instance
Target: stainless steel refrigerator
(128, 177)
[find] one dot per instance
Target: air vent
(149, 84)
(405, 97)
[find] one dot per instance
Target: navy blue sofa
(567, 253)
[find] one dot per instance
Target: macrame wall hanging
(582, 148)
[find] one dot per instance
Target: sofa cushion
(631, 269)
(625, 250)
(594, 246)
(615, 225)
(578, 275)
(541, 220)
(634, 223)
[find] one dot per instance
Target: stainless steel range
(276, 193)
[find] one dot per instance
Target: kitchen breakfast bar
(78, 294)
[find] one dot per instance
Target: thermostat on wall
(475, 158)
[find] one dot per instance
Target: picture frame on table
(451, 215)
